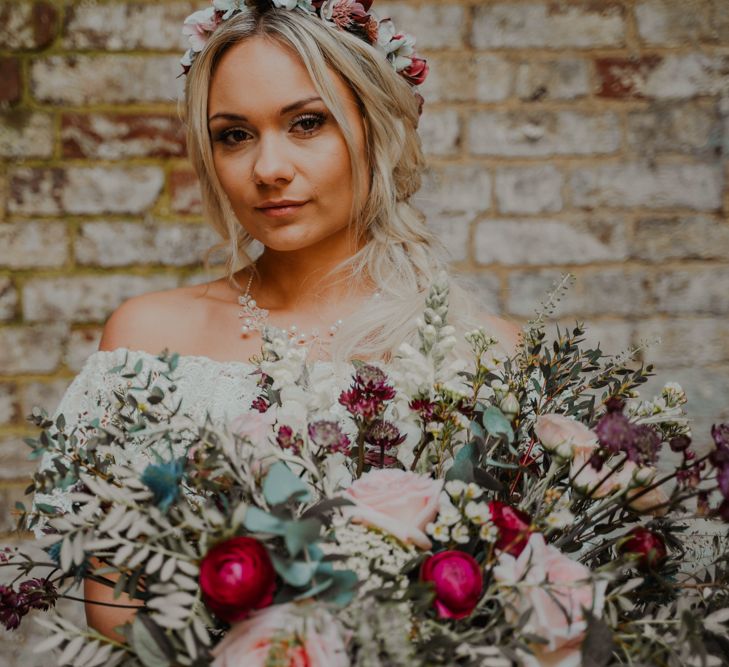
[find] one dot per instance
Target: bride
(303, 133)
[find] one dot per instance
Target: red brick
(117, 136)
(11, 89)
(25, 25)
(44, 23)
(185, 192)
(625, 77)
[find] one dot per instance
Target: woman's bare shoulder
(154, 320)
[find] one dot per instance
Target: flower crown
(350, 15)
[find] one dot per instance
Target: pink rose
(556, 589)
(564, 435)
(199, 26)
(457, 579)
(308, 634)
(395, 501)
(258, 426)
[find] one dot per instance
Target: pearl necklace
(255, 319)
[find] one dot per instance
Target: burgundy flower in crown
(352, 16)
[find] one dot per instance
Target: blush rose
(309, 635)
(395, 501)
(555, 589)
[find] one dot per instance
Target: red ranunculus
(648, 546)
(514, 527)
(416, 71)
(457, 580)
(236, 577)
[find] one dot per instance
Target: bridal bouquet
(531, 510)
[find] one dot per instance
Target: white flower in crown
(293, 4)
(398, 47)
(199, 26)
(230, 7)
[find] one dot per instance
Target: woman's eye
(309, 122)
(232, 137)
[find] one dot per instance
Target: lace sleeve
(81, 403)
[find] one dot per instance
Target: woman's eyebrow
(288, 108)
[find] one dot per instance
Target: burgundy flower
(649, 547)
(38, 594)
(457, 579)
(260, 404)
(424, 407)
(366, 398)
(360, 405)
(329, 436)
(384, 435)
(514, 527)
(12, 608)
(236, 577)
(720, 434)
(615, 432)
(416, 71)
(679, 443)
(287, 439)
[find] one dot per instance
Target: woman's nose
(272, 163)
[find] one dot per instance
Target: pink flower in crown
(200, 25)
(416, 72)
(346, 12)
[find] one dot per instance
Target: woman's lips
(281, 211)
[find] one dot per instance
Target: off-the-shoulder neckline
(189, 357)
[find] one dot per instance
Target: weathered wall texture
(588, 136)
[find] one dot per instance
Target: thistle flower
(329, 436)
(163, 479)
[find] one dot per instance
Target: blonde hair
(400, 254)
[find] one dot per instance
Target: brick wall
(584, 135)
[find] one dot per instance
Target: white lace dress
(220, 389)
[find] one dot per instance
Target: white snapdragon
(455, 488)
(472, 491)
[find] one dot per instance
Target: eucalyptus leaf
(463, 463)
(497, 424)
(300, 534)
(281, 485)
(296, 573)
(258, 521)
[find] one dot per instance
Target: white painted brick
(549, 25)
(84, 190)
(453, 230)
(9, 403)
(435, 25)
(440, 131)
(688, 291)
(33, 244)
(125, 26)
(81, 344)
(697, 186)
(673, 22)
(549, 242)
(106, 79)
(26, 135)
(455, 189)
(597, 293)
(684, 341)
(85, 298)
(542, 133)
(31, 349)
(127, 243)
(689, 75)
(690, 237)
(459, 78)
(561, 79)
(529, 189)
(8, 299)
(671, 127)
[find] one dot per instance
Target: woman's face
(276, 143)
